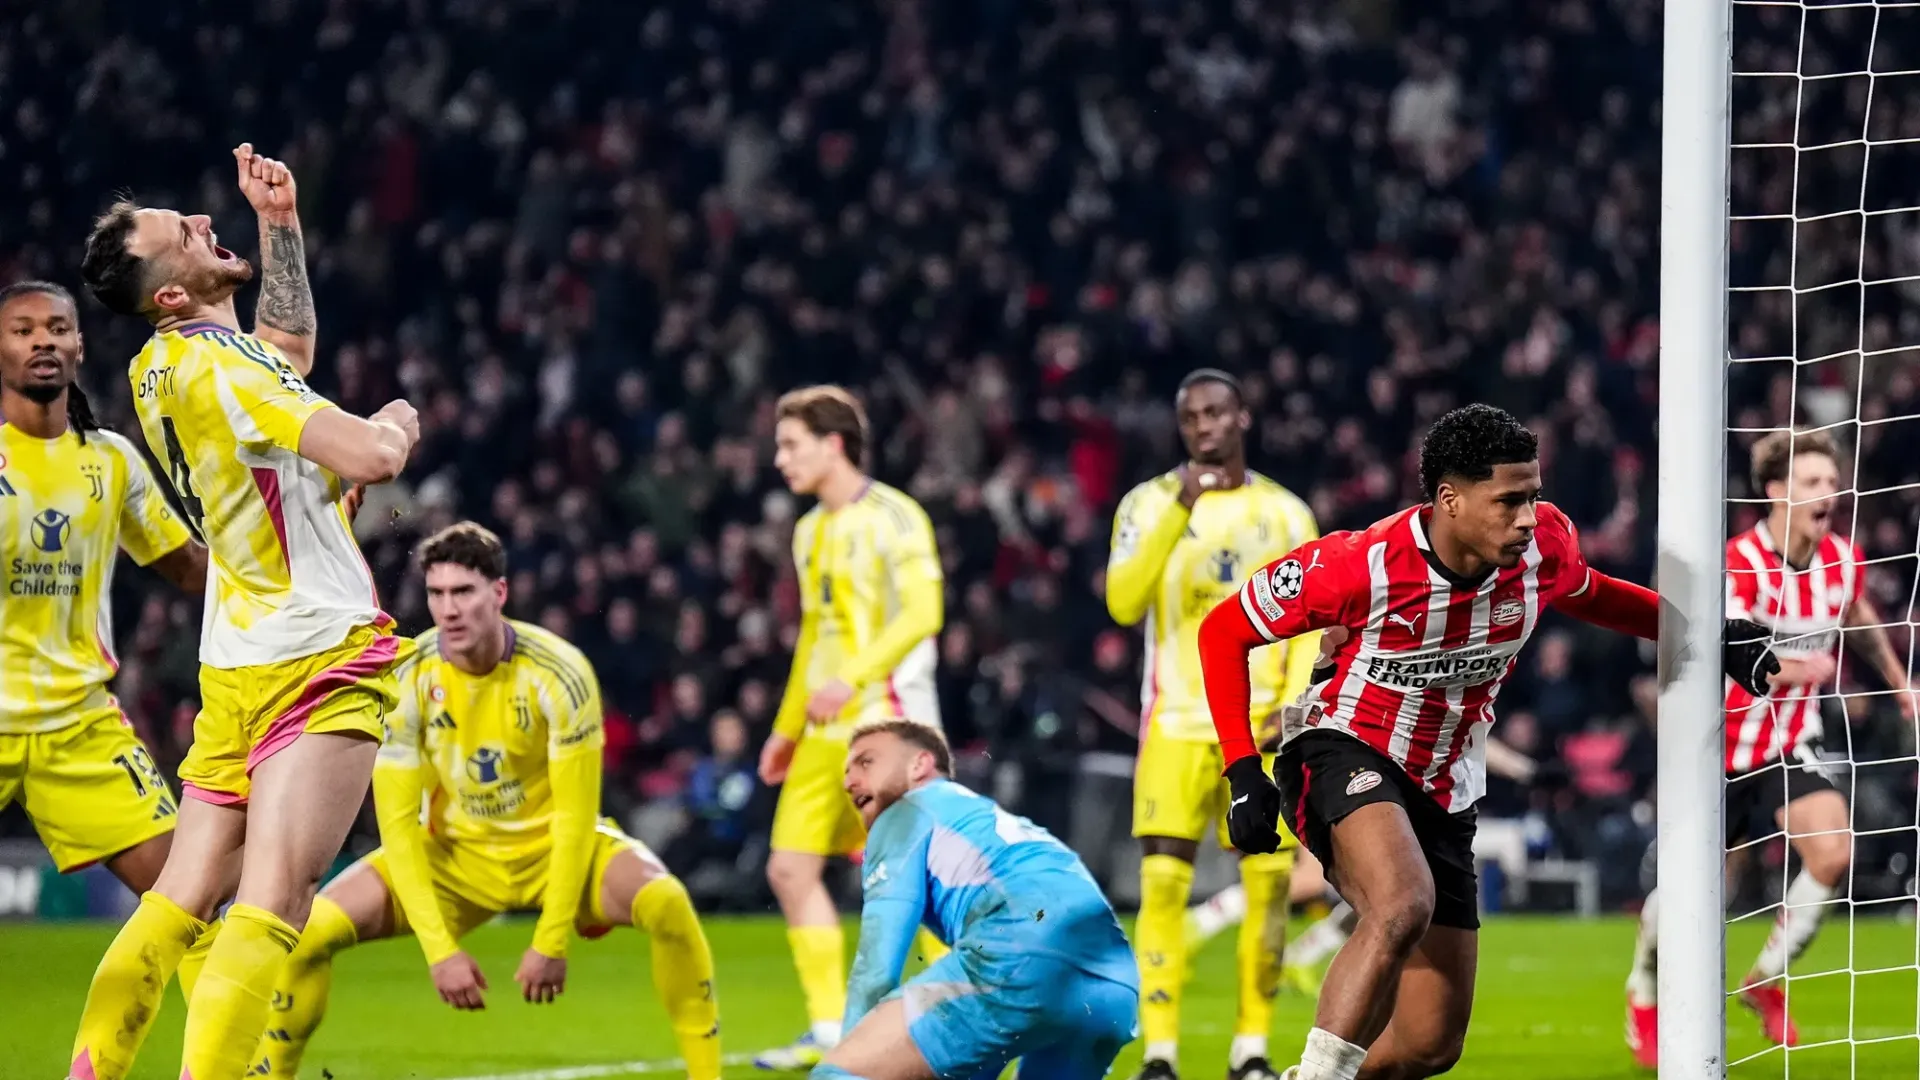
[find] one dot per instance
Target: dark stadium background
(592, 241)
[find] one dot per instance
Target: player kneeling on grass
(1039, 969)
(499, 727)
(1379, 775)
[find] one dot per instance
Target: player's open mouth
(43, 365)
(860, 801)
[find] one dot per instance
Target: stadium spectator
(594, 241)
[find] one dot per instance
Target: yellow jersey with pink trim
(223, 412)
(68, 507)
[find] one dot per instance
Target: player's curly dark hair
(79, 409)
(115, 276)
(468, 544)
(1469, 441)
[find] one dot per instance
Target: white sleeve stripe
(1588, 580)
(1246, 605)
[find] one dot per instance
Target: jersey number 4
(178, 475)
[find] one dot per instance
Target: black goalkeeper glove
(1748, 655)
(1253, 812)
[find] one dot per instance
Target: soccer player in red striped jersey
(1380, 774)
(1794, 576)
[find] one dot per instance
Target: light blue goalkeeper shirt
(993, 886)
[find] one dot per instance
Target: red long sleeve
(1616, 605)
(1226, 638)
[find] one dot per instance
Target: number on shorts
(141, 771)
(178, 475)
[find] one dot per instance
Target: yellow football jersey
(509, 763)
(67, 507)
(1172, 566)
(224, 411)
(870, 607)
(486, 740)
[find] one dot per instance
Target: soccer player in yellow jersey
(72, 496)
(296, 657)
(499, 734)
(871, 604)
(1181, 543)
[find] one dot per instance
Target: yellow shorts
(1178, 790)
(249, 714)
(814, 814)
(473, 884)
(91, 788)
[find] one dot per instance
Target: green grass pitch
(1549, 1006)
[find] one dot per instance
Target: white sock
(1330, 1057)
(1223, 909)
(1245, 1048)
(1323, 938)
(1643, 982)
(827, 1033)
(1168, 1052)
(1794, 928)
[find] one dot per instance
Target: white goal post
(1790, 300)
(1694, 143)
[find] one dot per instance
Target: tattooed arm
(284, 315)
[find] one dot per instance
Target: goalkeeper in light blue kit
(1039, 970)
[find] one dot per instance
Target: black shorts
(1754, 798)
(1324, 776)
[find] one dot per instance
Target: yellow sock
(1263, 937)
(820, 956)
(228, 1012)
(1160, 945)
(682, 972)
(300, 999)
(927, 948)
(128, 985)
(195, 960)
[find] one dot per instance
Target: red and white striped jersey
(1426, 653)
(1804, 607)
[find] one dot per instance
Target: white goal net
(1822, 339)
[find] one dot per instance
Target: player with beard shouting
(296, 657)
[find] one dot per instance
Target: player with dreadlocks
(72, 496)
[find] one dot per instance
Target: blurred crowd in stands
(592, 241)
